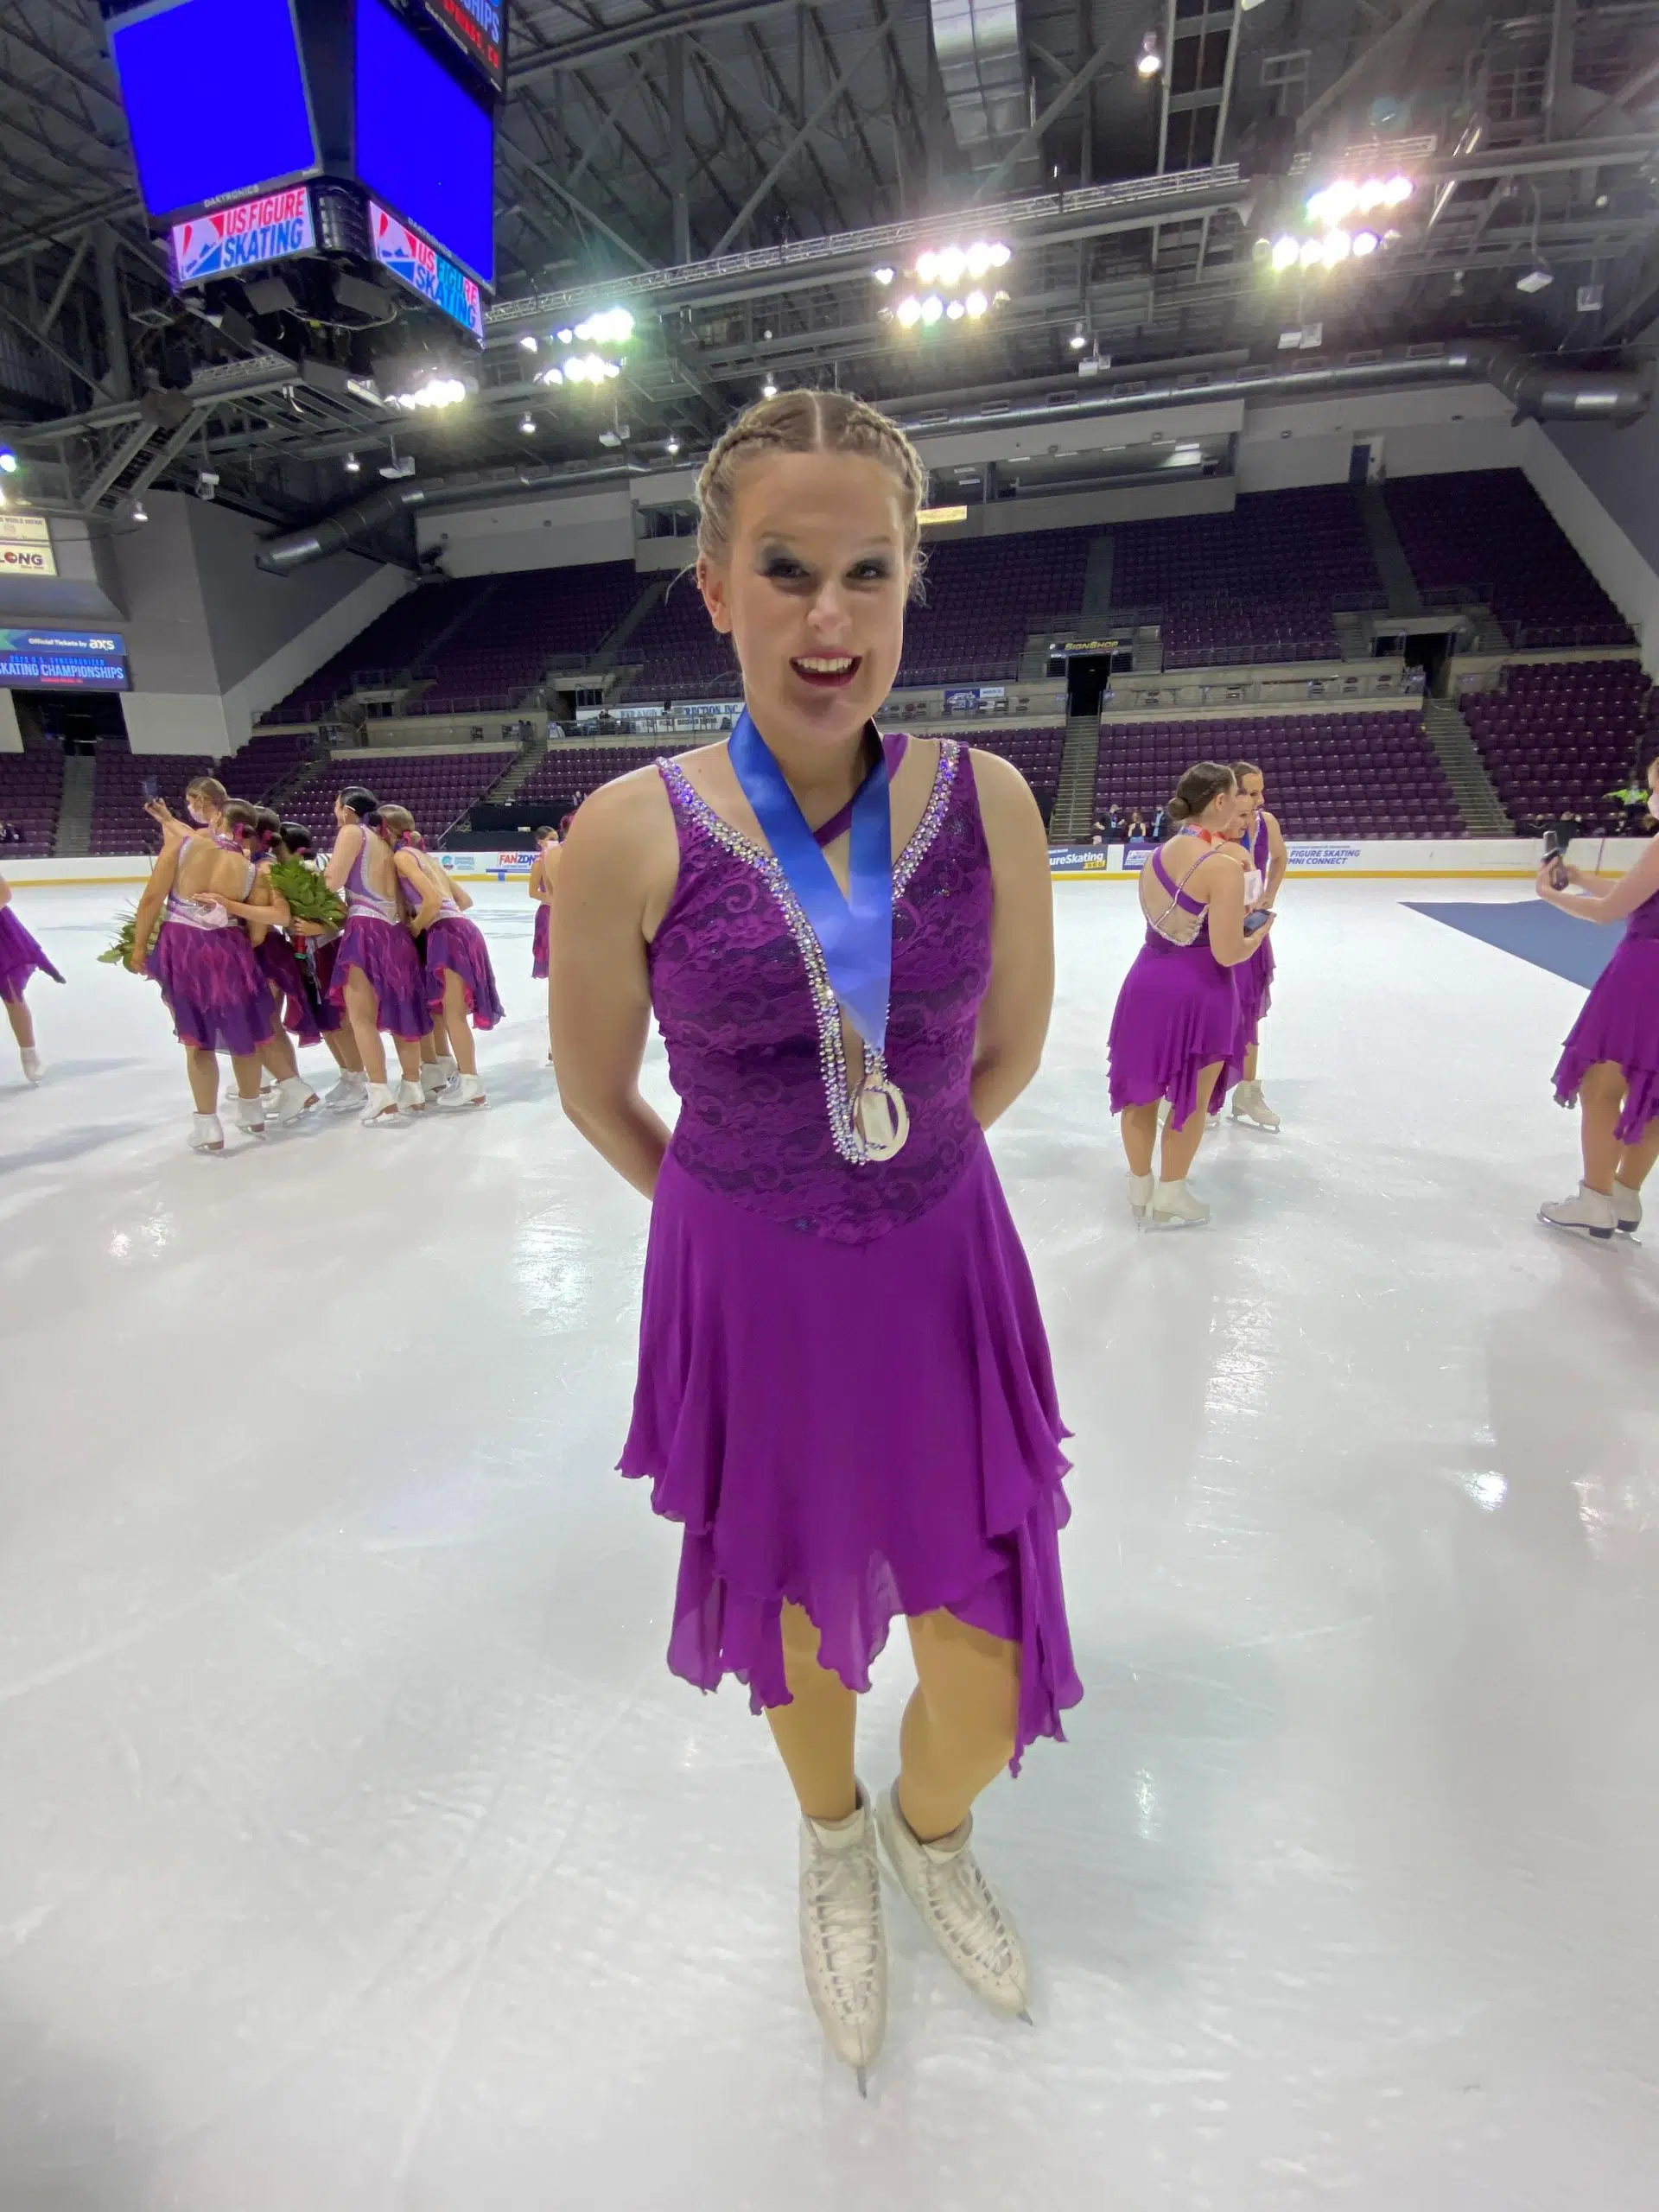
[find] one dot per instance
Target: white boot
(843, 1938)
(1139, 1195)
(294, 1097)
(1627, 1203)
(31, 1060)
(465, 1091)
(1589, 1214)
(348, 1094)
(250, 1117)
(436, 1075)
(1249, 1105)
(412, 1098)
(380, 1106)
(206, 1132)
(959, 1907)
(1173, 1206)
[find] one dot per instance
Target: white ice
(359, 1855)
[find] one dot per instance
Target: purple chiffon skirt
(1178, 1013)
(22, 958)
(1254, 980)
(458, 944)
(384, 951)
(864, 1430)
(215, 988)
(280, 965)
(539, 943)
(1620, 1022)
(320, 954)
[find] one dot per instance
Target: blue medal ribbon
(854, 928)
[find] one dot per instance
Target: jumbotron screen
(425, 146)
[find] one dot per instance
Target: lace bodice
(756, 1055)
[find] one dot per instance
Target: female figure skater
(460, 991)
(294, 1017)
(1610, 1061)
(315, 946)
(1264, 847)
(544, 870)
(20, 958)
(844, 1393)
(1176, 1025)
(377, 971)
(208, 884)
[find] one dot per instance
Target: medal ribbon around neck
(854, 928)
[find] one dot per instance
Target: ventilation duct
(983, 67)
(349, 526)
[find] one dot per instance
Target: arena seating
(983, 598)
(436, 787)
(119, 824)
(31, 788)
(1035, 752)
(1371, 775)
(1484, 536)
(684, 656)
(538, 616)
(1258, 583)
(559, 783)
(392, 641)
(1557, 738)
(269, 758)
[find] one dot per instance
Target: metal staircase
(1072, 820)
(1483, 812)
(528, 757)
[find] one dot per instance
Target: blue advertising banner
(62, 660)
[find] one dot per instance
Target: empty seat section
(1484, 537)
(1559, 739)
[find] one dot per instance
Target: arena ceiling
(734, 171)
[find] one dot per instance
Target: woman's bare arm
(1278, 858)
(613, 886)
(1014, 1014)
(418, 883)
(1632, 891)
(1223, 891)
(347, 846)
(152, 899)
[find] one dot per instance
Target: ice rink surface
(359, 1855)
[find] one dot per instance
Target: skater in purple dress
(21, 958)
(1610, 1060)
(1264, 844)
(203, 888)
(376, 975)
(1176, 1027)
(315, 946)
(460, 993)
(844, 1394)
(543, 874)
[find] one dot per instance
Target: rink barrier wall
(1398, 859)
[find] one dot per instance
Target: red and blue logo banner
(414, 262)
(476, 27)
(266, 228)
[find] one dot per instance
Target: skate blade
(1577, 1228)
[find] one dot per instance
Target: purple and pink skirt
(21, 958)
(1178, 1013)
(864, 1430)
(214, 988)
(281, 968)
(1620, 1022)
(456, 945)
(384, 952)
(1254, 978)
(539, 944)
(318, 960)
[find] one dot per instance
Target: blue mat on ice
(1577, 952)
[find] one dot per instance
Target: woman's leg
(23, 1024)
(1601, 1096)
(1139, 1134)
(409, 1059)
(343, 1045)
(1636, 1161)
(1251, 1058)
(814, 1734)
(958, 1729)
(457, 1030)
(202, 1069)
(245, 1068)
(363, 1012)
(1182, 1145)
(276, 1054)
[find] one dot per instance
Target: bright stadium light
(8, 463)
(1365, 244)
(435, 391)
(1312, 252)
(531, 343)
(352, 464)
(909, 312)
(976, 304)
(883, 276)
(949, 266)
(612, 327)
(1286, 252)
(769, 389)
(527, 423)
(1148, 62)
(1396, 192)
(927, 267)
(932, 308)
(1338, 247)
(954, 310)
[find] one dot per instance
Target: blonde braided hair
(806, 422)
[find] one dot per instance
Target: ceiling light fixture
(610, 327)
(435, 391)
(8, 463)
(527, 423)
(352, 464)
(1148, 62)
(531, 343)
(1366, 244)
(883, 276)
(1538, 278)
(769, 389)
(140, 512)
(673, 446)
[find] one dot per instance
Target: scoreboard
(265, 129)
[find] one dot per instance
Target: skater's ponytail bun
(396, 820)
(361, 801)
(298, 838)
(1205, 782)
(242, 821)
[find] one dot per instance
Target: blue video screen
(215, 98)
(424, 145)
(62, 660)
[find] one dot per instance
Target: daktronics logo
(477, 24)
(265, 229)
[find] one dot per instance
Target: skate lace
(841, 1898)
(964, 1902)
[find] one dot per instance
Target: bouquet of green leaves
(309, 899)
(121, 951)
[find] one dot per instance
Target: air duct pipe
(349, 525)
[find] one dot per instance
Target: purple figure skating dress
(453, 942)
(375, 940)
(844, 1393)
(213, 986)
(540, 942)
(1254, 977)
(21, 958)
(1620, 1022)
(1177, 1014)
(281, 966)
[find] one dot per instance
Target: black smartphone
(151, 787)
(1557, 875)
(1258, 920)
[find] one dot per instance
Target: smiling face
(1252, 791)
(811, 590)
